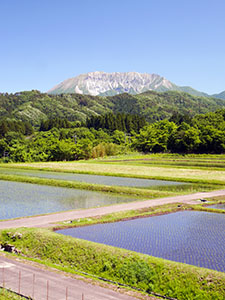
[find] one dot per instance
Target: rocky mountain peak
(101, 83)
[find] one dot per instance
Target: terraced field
(200, 169)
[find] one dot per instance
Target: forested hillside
(111, 134)
(156, 106)
(33, 106)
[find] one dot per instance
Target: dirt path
(41, 284)
(50, 220)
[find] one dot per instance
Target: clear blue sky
(44, 42)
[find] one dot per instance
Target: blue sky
(47, 41)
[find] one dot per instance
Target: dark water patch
(192, 237)
(24, 199)
(97, 179)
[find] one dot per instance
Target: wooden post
(3, 277)
(19, 282)
(33, 286)
(47, 289)
(66, 293)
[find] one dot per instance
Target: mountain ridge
(100, 83)
(220, 95)
(109, 84)
(34, 106)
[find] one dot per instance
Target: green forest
(58, 139)
(33, 106)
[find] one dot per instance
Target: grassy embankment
(136, 270)
(144, 212)
(188, 161)
(6, 295)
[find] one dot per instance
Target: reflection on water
(192, 237)
(24, 199)
(105, 180)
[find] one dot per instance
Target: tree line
(119, 121)
(111, 134)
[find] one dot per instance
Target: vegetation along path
(51, 219)
(38, 283)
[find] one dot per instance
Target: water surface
(217, 206)
(24, 199)
(192, 237)
(97, 179)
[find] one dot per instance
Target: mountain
(33, 106)
(220, 95)
(156, 106)
(110, 84)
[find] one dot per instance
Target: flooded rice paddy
(24, 199)
(192, 237)
(97, 179)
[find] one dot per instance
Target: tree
(154, 137)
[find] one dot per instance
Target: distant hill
(34, 106)
(110, 84)
(220, 96)
(156, 106)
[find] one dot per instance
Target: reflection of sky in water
(106, 180)
(217, 206)
(192, 237)
(24, 199)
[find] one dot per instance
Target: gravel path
(52, 219)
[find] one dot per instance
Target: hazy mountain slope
(220, 95)
(109, 84)
(34, 106)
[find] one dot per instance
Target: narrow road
(52, 219)
(42, 284)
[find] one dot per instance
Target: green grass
(174, 156)
(217, 162)
(188, 161)
(147, 273)
(177, 165)
(6, 295)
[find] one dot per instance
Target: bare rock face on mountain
(109, 84)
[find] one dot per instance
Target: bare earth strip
(41, 284)
(51, 219)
